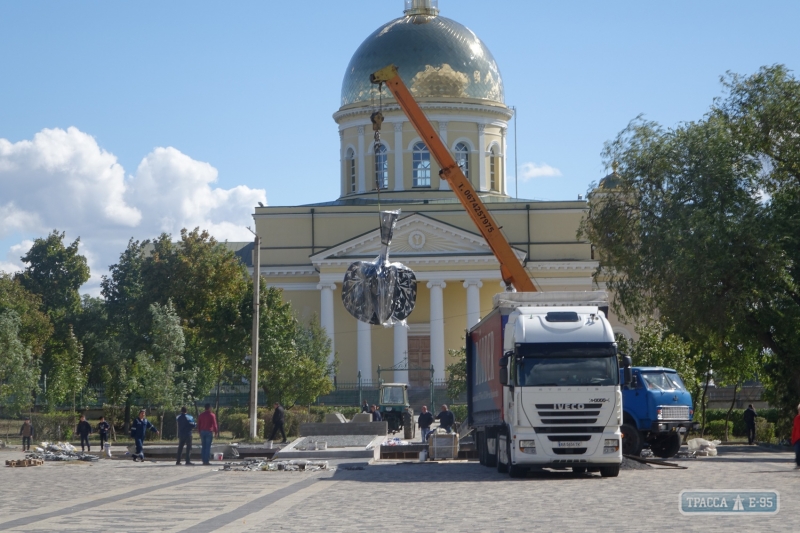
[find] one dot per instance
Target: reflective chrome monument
(380, 292)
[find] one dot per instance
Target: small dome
(436, 57)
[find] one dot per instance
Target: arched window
(462, 158)
(381, 168)
(493, 169)
(421, 164)
(350, 161)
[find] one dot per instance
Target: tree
(35, 327)
(68, 375)
(19, 370)
(457, 373)
(701, 226)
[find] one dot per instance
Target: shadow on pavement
(439, 472)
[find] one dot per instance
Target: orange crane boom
(511, 269)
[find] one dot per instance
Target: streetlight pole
(254, 356)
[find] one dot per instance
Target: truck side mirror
(627, 371)
(504, 370)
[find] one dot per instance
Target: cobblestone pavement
(123, 496)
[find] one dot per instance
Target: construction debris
(59, 451)
(261, 464)
(703, 447)
(25, 462)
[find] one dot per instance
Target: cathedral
(306, 249)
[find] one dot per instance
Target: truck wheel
(491, 458)
(501, 466)
(408, 426)
(609, 471)
(667, 446)
(631, 440)
(514, 471)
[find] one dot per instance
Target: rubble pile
(703, 447)
(395, 441)
(260, 464)
(59, 451)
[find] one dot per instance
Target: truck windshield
(662, 381)
(567, 364)
(392, 395)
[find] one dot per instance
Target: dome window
(493, 169)
(351, 169)
(462, 158)
(381, 168)
(421, 161)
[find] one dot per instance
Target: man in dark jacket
(750, 423)
(365, 407)
(84, 429)
(376, 414)
(446, 419)
(26, 432)
(138, 429)
(185, 426)
(278, 418)
(425, 421)
(102, 430)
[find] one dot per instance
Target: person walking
(185, 424)
(103, 428)
(138, 430)
(750, 422)
(446, 419)
(796, 438)
(278, 420)
(84, 429)
(26, 432)
(376, 414)
(425, 421)
(207, 426)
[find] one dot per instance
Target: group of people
(83, 430)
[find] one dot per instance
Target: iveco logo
(565, 406)
(598, 400)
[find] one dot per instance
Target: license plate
(569, 444)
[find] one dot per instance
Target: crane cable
(377, 119)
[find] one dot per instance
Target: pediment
(415, 236)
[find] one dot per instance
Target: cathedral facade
(306, 249)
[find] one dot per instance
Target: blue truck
(657, 411)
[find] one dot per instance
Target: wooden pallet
(25, 462)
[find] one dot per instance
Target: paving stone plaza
(119, 495)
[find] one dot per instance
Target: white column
(504, 148)
(473, 287)
(361, 168)
(398, 156)
(443, 185)
(365, 351)
(482, 185)
(401, 352)
(342, 171)
(437, 328)
(326, 313)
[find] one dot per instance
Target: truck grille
(673, 412)
(558, 414)
(569, 451)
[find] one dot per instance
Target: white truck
(543, 384)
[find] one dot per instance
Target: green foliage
(19, 371)
(56, 426)
(687, 234)
(717, 428)
(239, 426)
(459, 411)
(457, 373)
(765, 431)
(67, 376)
(35, 327)
(657, 347)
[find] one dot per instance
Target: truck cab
(657, 411)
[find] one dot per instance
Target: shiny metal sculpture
(380, 292)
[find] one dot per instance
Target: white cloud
(63, 180)
(529, 171)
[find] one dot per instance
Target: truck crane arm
(511, 270)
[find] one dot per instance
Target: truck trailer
(543, 384)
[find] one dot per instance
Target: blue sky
(241, 93)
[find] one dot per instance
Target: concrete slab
(352, 428)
